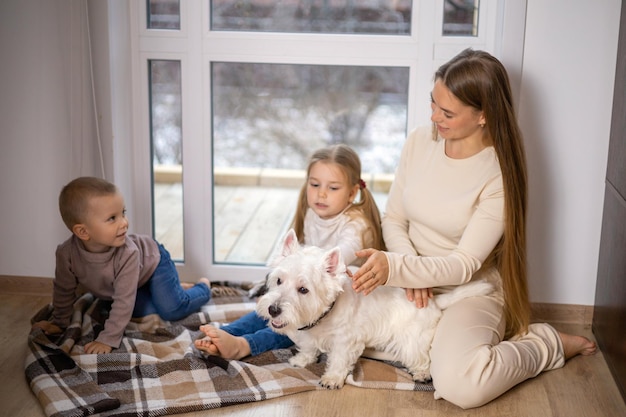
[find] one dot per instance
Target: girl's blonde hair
(479, 80)
(350, 164)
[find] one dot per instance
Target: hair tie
(362, 184)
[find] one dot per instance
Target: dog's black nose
(274, 310)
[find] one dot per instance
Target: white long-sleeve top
(443, 216)
(344, 230)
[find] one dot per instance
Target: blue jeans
(163, 294)
(260, 337)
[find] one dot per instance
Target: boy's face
(106, 224)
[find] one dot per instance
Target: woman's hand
(97, 347)
(372, 273)
(419, 296)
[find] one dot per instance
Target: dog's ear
(290, 243)
(289, 246)
(333, 264)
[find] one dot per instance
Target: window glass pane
(163, 14)
(460, 17)
(313, 16)
(166, 145)
(269, 118)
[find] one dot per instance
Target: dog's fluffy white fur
(310, 299)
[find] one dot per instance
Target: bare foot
(187, 285)
(207, 346)
(220, 343)
(577, 345)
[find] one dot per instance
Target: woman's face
(453, 118)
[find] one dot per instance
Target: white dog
(310, 299)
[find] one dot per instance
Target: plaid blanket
(157, 370)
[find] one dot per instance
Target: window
(270, 117)
(238, 94)
(460, 18)
(163, 14)
(316, 16)
(166, 145)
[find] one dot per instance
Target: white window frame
(501, 32)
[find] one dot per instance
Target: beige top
(444, 216)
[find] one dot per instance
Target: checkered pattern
(157, 371)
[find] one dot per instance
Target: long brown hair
(350, 164)
(479, 80)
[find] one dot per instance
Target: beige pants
(471, 365)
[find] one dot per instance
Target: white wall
(565, 101)
(47, 130)
(565, 113)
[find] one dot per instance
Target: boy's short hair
(75, 195)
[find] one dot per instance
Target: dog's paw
(422, 376)
(301, 360)
(332, 381)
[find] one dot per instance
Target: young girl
(327, 216)
(133, 271)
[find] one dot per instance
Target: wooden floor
(583, 388)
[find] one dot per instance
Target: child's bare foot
(187, 285)
(220, 343)
(577, 345)
(207, 346)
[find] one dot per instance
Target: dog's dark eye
(278, 281)
(303, 290)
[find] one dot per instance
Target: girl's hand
(47, 327)
(97, 347)
(372, 273)
(419, 296)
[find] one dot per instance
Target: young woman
(457, 212)
(327, 216)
